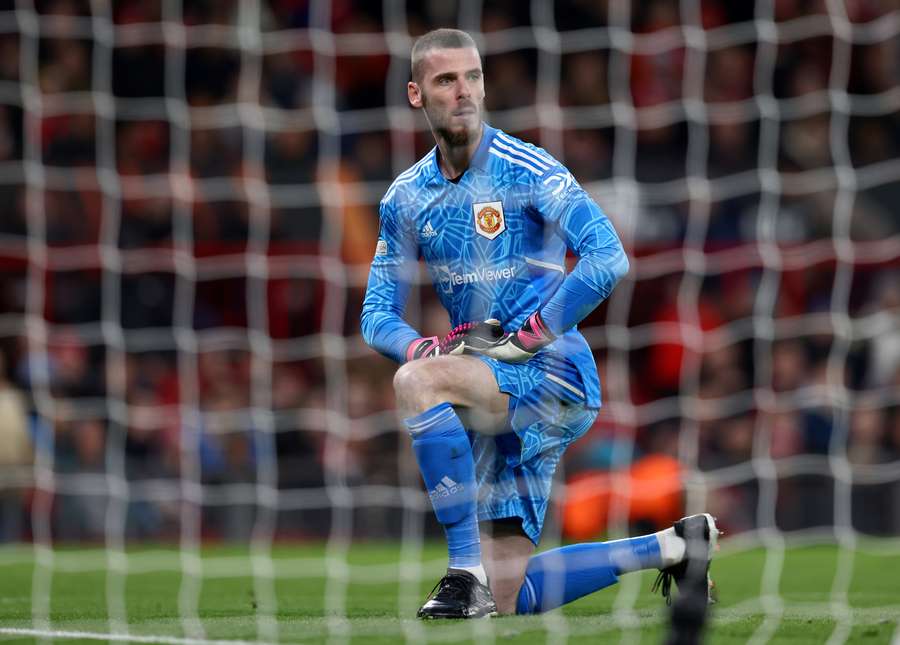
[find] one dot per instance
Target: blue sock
(559, 576)
(445, 460)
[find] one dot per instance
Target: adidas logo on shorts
(445, 488)
(428, 231)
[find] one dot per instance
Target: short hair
(437, 39)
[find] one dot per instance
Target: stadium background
(190, 206)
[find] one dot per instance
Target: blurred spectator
(667, 357)
(80, 509)
(290, 161)
(65, 66)
(789, 366)
(9, 57)
(145, 222)
(215, 153)
(584, 80)
(867, 440)
(220, 221)
(291, 157)
(72, 217)
(884, 348)
(729, 75)
(70, 140)
(16, 444)
(142, 147)
(15, 455)
(287, 80)
(722, 372)
(868, 445)
(785, 434)
(510, 81)
(371, 152)
(729, 442)
(731, 149)
(588, 154)
(13, 221)
(74, 371)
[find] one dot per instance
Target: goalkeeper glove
(423, 348)
(488, 338)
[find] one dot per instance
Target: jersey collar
(479, 159)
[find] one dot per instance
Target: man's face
(451, 91)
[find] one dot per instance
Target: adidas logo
(445, 488)
(428, 231)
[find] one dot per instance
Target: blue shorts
(547, 412)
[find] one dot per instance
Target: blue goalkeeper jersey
(494, 242)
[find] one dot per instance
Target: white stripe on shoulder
(518, 162)
(520, 153)
(574, 390)
(537, 152)
(545, 265)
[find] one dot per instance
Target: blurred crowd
(761, 362)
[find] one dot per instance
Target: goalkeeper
(492, 407)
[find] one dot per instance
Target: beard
(440, 123)
(456, 138)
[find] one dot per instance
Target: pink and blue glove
(425, 347)
(489, 339)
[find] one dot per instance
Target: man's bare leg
(462, 381)
(505, 551)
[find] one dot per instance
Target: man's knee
(458, 380)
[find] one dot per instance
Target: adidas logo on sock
(445, 488)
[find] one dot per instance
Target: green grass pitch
(368, 590)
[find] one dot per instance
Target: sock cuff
(671, 547)
(439, 417)
(526, 603)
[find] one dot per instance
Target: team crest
(489, 220)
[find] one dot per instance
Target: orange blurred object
(649, 491)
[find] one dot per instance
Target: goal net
(190, 194)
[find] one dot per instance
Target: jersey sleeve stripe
(540, 154)
(574, 390)
(545, 265)
(497, 153)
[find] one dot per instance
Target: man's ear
(414, 94)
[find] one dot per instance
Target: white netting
(190, 194)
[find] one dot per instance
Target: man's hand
(425, 347)
(488, 338)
